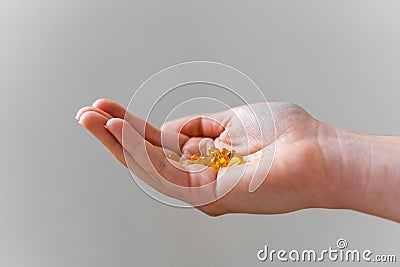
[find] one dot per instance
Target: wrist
(364, 171)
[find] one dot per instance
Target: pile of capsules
(215, 158)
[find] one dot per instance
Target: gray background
(65, 202)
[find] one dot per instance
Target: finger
(145, 154)
(170, 140)
(167, 178)
(85, 109)
(207, 125)
(116, 110)
(108, 116)
(197, 145)
(94, 122)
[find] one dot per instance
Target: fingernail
(95, 102)
(108, 123)
(78, 114)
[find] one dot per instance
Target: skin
(315, 165)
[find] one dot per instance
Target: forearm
(368, 173)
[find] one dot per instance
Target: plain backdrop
(64, 201)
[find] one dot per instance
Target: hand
(297, 179)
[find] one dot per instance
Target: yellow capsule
(212, 152)
(174, 157)
(223, 161)
(216, 158)
(235, 154)
(194, 159)
(215, 165)
(235, 161)
(205, 161)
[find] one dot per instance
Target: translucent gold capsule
(174, 157)
(204, 161)
(235, 154)
(216, 158)
(194, 159)
(235, 161)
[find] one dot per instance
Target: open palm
(290, 182)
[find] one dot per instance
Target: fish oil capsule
(194, 159)
(235, 154)
(204, 161)
(225, 152)
(235, 161)
(216, 158)
(212, 152)
(174, 157)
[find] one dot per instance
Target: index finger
(206, 125)
(170, 140)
